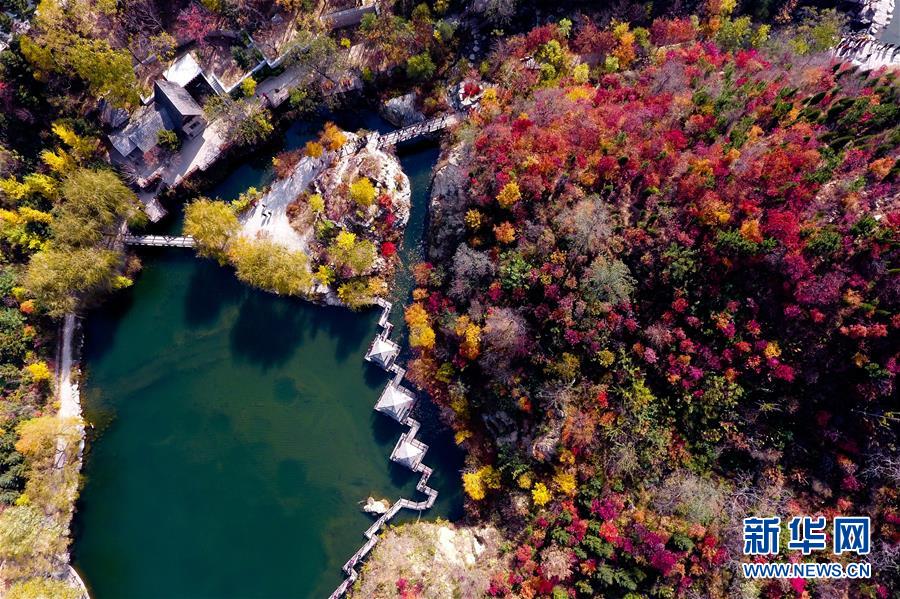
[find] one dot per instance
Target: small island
(327, 229)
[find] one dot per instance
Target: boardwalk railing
(371, 534)
(168, 241)
(418, 129)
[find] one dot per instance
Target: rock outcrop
(376, 506)
(381, 168)
(447, 208)
(401, 110)
(867, 48)
(437, 560)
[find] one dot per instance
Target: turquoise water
(234, 433)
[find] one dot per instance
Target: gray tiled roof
(142, 131)
(179, 98)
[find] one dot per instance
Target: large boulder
(401, 110)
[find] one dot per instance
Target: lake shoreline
(151, 276)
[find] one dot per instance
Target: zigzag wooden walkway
(371, 534)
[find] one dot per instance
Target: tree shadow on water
(385, 430)
(351, 330)
(375, 376)
(102, 323)
(210, 290)
(269, 329)
(403, 478)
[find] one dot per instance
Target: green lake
(233, 432)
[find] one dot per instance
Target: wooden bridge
(415, 130)
(163, 241)
(407, 133)
(371, 534)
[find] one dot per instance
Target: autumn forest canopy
(666, 299)
(660, 289)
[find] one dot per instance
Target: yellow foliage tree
(212, 224)
(566, 482)
(509, 195)
(332, 137)
(31, 185)
(316, 203)
(314, 149)
(268, 265)
(355, 294)
(420, 332)
(460, 437)
(473, 218)
(540, 494)
(477, 483)
(471, 342)
(248, 87)
(362, 191)
(473, 485)
(345, 240)
(325, 275)
(82, 147)
(39, 371)
(59, 161)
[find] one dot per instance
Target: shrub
(168, 139)
(362, 192)
(248, 87)
(420, 68)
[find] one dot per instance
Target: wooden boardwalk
(164, 241)
(351, 567)
(415, 130)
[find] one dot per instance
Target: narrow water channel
(234, 429)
